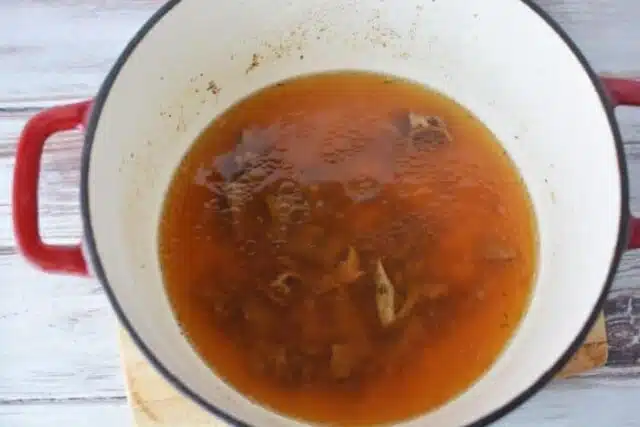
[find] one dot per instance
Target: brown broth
(451, 216)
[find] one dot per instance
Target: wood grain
(593, 353)
(58, 337)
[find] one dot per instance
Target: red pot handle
(49, 258)
(626, 92)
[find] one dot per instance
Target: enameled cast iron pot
(505, 60)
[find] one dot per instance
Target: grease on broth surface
(348, 248)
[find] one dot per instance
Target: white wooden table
(59, 361)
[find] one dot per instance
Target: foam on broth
(300, 209)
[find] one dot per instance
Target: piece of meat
(288, 204)
(268, 359)
(320, 320)
(346, 358)
(326, 283)
(385, 295)
(315, 246)
(411, 338)
(287, 365)
(281, 289)
(240, 196)
(427, 131)
(348, 269)
(345, 317)
(419, 293)
(250, 168)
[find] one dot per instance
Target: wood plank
(58, 336)
(60, 50)
(68, 414)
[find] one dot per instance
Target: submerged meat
(330, 297)
(271, 360)
(288, 204)
(348, 270)
(281, 289)
(247, 171)
(322, 302)
(345, 272)
(425, 131)
(345, 358)
(418, 293)
(315, 246)
(385, 295)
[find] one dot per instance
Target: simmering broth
(348, 247)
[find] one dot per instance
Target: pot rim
(496, 414)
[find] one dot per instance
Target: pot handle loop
(49, 258)
(626, 92)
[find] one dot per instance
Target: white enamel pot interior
(502, 59)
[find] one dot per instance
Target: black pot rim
(90, 243)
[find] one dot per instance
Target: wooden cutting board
(155, 402)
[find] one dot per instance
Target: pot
(507, 61)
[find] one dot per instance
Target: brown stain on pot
(378, 32)
(255, 62)
(213, 88)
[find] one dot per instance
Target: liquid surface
(348, 248)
